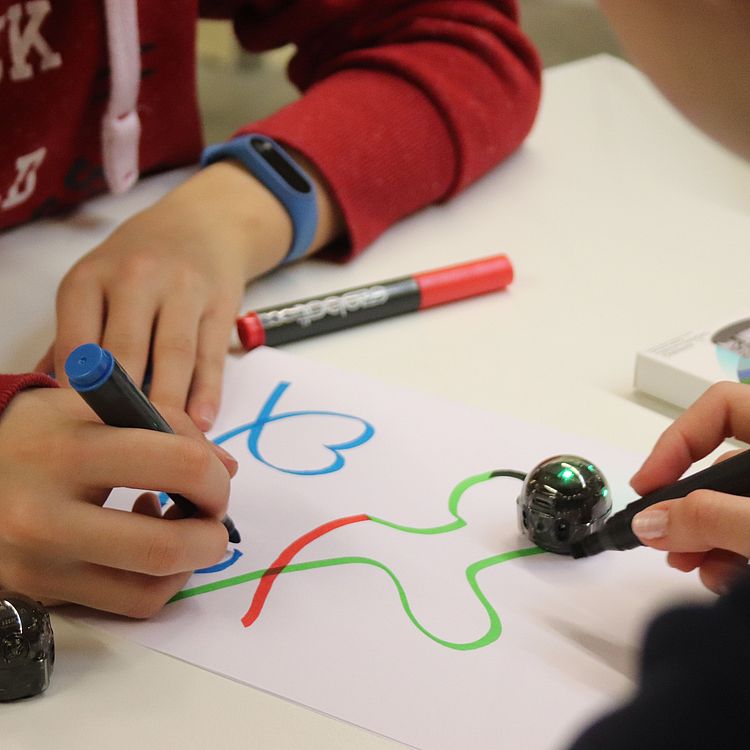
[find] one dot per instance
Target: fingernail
(227, 455)
(650, 524)
(206, 416)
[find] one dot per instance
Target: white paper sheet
(378, 624)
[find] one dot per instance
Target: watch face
(266, 149)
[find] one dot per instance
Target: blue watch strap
(273, 167)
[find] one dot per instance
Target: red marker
(352, 307)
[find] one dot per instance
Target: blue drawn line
(266, 416)
(224, 564)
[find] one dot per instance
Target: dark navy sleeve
(694, 686)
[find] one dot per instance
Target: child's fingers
(701, 521)
(174, 348)
(148, 504)
(130, 541)
(121, 592)
(685, 561)
(722, 411)
(80, 313)
(131, 311)
(213, 342)
(118, 591)
(183, 425)
(720, 568)
(142, 459)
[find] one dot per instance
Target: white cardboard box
(680, 369)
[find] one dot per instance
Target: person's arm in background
(698, 53)
(693, 688)
(405, 103)
(693, 692)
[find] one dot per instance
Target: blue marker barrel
(118, 401)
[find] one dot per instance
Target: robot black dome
(563, 499)
(27, 648)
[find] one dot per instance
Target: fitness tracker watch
(273, 167)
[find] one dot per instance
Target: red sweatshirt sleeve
(405, 102)
(12, 384)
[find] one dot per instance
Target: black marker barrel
(304, 318)
(731, 476)
(118, 401)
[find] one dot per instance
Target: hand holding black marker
(118, 402)
(731, 476)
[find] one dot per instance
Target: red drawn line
(268, 578)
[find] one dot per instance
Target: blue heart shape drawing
(266, 417)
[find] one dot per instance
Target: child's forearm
(236, 197)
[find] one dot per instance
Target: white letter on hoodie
(25, 182)
(21, 41)
(2, 25)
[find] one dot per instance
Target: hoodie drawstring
(121, 128)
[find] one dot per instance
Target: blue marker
(118, 401)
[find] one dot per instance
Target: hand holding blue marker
(116, 399)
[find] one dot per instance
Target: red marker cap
(464, 280)
(251, 331)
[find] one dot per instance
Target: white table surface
(625, 226)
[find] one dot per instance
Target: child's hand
(58, 545)
(706, 530)
(170, 280)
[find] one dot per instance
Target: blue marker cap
(88, 367)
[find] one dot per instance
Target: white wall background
(565, 30)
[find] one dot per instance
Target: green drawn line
(495, 626)
(453, 501)
(493, 632)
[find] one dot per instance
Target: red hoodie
(405, 102)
